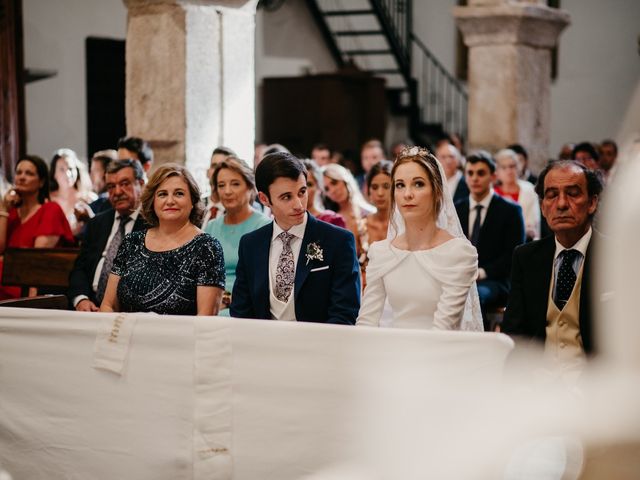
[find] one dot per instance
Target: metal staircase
(377, 37)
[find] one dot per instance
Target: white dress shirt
(281, 310)
(483, 214)
(128, 228)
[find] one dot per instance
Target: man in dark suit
(451, 160)
(295, 268)
(124, 182)
(495, 227)
(551, 278)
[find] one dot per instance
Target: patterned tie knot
(285, 237)
(570, 255)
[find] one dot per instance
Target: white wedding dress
(426, 289)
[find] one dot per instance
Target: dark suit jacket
(95, 241)
(501, 232)
(526, 313)
(462, 190)
(330, 295)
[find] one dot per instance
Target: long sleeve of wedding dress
(426, 289)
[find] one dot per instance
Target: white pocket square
(326, 267)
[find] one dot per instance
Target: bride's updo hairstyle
(429, 164)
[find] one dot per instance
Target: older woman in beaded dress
(173, 267)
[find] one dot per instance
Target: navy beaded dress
(166, 282)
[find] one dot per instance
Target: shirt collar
(133, 216)
(296, 230)
(484, 202)
(581, 245)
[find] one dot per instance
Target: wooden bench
(57, 302)
(38, 267)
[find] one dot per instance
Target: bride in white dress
(426, 268)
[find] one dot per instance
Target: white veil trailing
(447, 220)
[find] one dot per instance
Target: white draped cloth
(426, 288)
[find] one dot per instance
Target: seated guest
(342, 189)
(296, 268)
(213, 208)
(520, 191)
(138, 149)
(173, 267)
(379, 187)
(451, 161)
(370, 154)
(550, 299)
(495, 227)
(321, 154)
(315, 205)
(523, 164)
(608, 156)
(69, 186)
(97, 169)
(233, 183)
(566, 151)
(28, 218)
(124, 181)
(587, 154)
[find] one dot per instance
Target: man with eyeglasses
(124, 182)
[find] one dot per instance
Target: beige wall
(595, 96)
(54, 36)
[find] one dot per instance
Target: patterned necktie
(285, 272)
(566, 277)
(475, 233)
(110, 256)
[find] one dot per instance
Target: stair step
(367, 52)
(342, 13)
(385, 71)
(354, 33)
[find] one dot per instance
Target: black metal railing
(396, 20)
(441, 98)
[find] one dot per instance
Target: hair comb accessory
(414, 152)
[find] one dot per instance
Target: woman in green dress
(234, 183)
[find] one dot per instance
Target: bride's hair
(429, 164)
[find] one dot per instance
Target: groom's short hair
(276, 165)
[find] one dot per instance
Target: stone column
(190, 82)
(510, 45)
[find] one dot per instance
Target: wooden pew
(56, 302)
(38, 267)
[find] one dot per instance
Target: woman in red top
(28, 218)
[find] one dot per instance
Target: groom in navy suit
(295, 268)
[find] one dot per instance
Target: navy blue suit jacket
(501, 232)
(325, 295)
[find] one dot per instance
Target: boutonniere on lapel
(314, 252)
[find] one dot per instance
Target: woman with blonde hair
(315, 188)
(233, 183)
(342, 189)
(173, 267)
(426, 268)
(70, 185)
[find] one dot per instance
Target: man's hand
(83, 212)
(86, 305)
